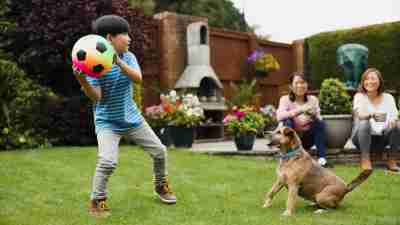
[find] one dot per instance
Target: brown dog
(303, 176)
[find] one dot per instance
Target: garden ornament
(353, 58)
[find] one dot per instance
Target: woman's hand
(308, 109)
(392, 124)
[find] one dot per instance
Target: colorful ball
(93, 55)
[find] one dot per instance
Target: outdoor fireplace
(199, 77)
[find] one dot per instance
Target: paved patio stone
(228, 148)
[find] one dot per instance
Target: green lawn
(51, 187)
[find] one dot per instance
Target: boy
(116, 115)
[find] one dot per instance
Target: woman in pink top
(375, 120)
(301, 112)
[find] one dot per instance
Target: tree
(221, 13)
(45, 31)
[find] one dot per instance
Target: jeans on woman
(366, 142)
(313, 136)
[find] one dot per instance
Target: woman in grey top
(376, 120)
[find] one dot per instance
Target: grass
(51, 187)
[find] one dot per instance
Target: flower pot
(245, 142)
(164, 134)
(183, 137)
(338, 129)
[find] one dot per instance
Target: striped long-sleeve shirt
(116, 109)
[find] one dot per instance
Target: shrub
(333, 97)
(244, 120)
(46, 30)
(18, 98)
(32, 116)
(245, 94)
(383, 42)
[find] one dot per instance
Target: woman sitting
(301, 112)
(376, 125)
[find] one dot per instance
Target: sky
(288, 20)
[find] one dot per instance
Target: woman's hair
(381, 87)
(292, 96)
(110, 24)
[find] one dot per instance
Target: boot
(392, 165)
(99, 208)
(366, 164)
(164, 193)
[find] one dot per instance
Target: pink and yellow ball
(93, 55)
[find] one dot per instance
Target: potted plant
(245, 93)
(336, 108)
(185, 113)
(263, 62)
(244, 123)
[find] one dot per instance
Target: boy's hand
(77, 72)
(117, 59)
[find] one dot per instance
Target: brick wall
(228, 49)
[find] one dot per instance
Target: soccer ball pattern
(93, 55)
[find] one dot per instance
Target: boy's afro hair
(110, 24)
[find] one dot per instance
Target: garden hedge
(382, 40)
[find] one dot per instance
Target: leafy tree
(221, 13)
(45, 31)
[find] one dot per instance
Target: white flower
(172, 93)
(189, 112)
(198, 111)
(196, 101)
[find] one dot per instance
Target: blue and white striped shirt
(116, 109)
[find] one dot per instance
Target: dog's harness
(292, 152)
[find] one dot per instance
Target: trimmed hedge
(382, 40)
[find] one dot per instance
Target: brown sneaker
(392, 165)
(99, 208)
(165, 193)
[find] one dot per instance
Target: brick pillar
(173, 49)
(298, 54)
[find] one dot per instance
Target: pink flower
(228, 119)
(154, 110)
(239, 114)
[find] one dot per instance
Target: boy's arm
(132, 73)
(94, 93)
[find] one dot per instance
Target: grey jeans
(107, 157)
(366, 142)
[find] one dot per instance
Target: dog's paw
(319, 211)
(287, 213)
(311, 203)
(267, 204)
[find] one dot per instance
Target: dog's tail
(358, 180)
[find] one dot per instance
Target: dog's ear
(289, 132)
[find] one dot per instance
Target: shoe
(99, 208)
(366, 164)
(392, 165)
(165, 194)
(322, 161)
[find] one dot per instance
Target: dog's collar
(292, 152)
